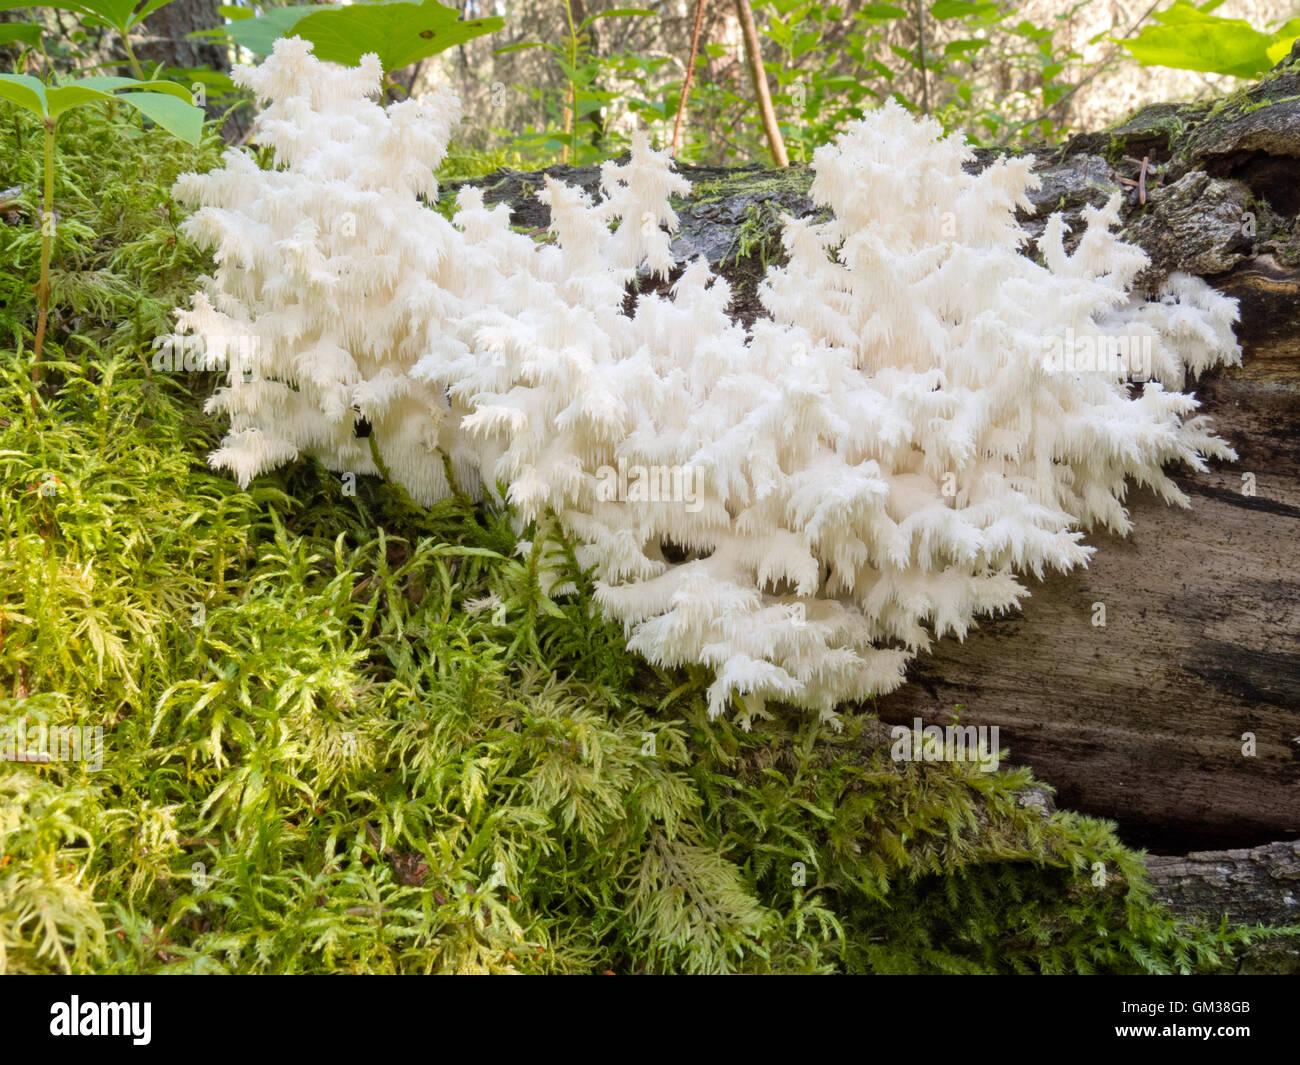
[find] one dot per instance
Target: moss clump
(785, 185)
(344, 734)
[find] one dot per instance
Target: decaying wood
(1180, 717)
(1248, 886)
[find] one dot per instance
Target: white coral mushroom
(927, 414)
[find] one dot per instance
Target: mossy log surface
(1144, 720)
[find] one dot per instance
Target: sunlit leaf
(399, 33)
(259, 34)
(1189, 38)
(180, 119)
(27, 32)
(25, 91)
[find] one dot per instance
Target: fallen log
(1248, 886)
(1179, 717)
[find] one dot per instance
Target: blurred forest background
(567, 80)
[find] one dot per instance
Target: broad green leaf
(805, 43)
(171, 88)
(1181, 13)
(25, 91)
(948, 9)
(964, 47)
(1278, 50)
(945, 9)
(235, 14)
(1190, 38)
(66, 97)
(1283, 38)
(119, 14)
(217, 83)
(778, 31)
(165, 102)
(27, 32)
(116, 13)
(1217, 49)
(399, 33)
(259, 34)
(181, 119)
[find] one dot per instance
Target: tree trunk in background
(166, 42)
(758, 75)
(166, 31)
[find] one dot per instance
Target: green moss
(758, 237)
(785, 184)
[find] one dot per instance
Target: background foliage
(568, 81)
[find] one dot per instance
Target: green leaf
(180, 119)
(111, 84)
(399, 33)
(66, 97)
(217, 83)
(25, 91)
(972, 9)
(1190, 38)
(1225, 48)
(1182, 12)
(945, 9)
(259, 34)
(114, 12)
(119, 14)
(1277, 51)
(1283, 38)
(168, 104)
(27, 32)
(805, 43)
(964, 47)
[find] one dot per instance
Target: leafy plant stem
(136, 68)
(920, 54)
(571, 113)
(690, 73)
(47, 249)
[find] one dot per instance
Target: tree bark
(167, 30)
(1258, 885)
(1180, 718)
(758, 75)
